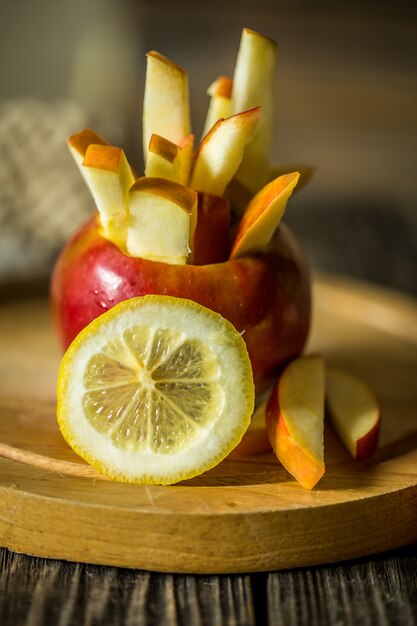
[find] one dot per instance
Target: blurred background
(346, 104)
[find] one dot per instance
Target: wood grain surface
(380, 590)
(246, 515)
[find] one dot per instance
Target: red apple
(212, 233)
(265, 296)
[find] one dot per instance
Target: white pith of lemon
(156, 390)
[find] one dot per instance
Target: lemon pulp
(151, 389)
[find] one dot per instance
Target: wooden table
(379, 589)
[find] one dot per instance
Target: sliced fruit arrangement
(156, 390)
(159, 388)
(234, 152)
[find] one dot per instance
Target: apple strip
(263, 215)
(354, 412)
(221, 151)
(162, 220)
(169, 160)
(109, 177)
(166, 108)
(79, 143)
(220, 106)
(254, 85)
(295, 420)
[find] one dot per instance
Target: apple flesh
(254, 85)
(161, 220)
(354, 412)
(166, 107)
(169, 160)
(266, 297)
(295, 419)
(221, 151)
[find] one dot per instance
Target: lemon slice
(156, 390)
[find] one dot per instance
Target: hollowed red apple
(266, 296)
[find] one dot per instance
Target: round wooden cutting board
(245, 515)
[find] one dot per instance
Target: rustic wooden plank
(39, 592)
(379, 590)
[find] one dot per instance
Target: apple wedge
(254, 85)
(220, 106)
(263, 215)
(170, 160)
(109, 178)
(221, 151)
(162, 220)
(354, 412)
(166, 108)
(295, 419)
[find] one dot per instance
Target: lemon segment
(156, 390)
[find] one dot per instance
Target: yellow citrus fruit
(156, 390)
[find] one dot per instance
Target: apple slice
(254, 85)
(263, 215)
(220, 105)
(79, 143)
(212, 233)
(295, 419)
(109, 177)
(170, 160)
(162, 220)
(166, 108)
(354, 412)
(221, 152)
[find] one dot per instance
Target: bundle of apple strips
(178, 213)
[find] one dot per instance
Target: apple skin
(266, 296)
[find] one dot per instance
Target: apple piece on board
(354, 412)
(212, 233)
(255, 440)
(162, 220)
(109, 178)
(221, 151)
(166, 108)
(295, 419)
(263, 215)
(79, 143)
(254, 85)
(220, 106)
(170, 160)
